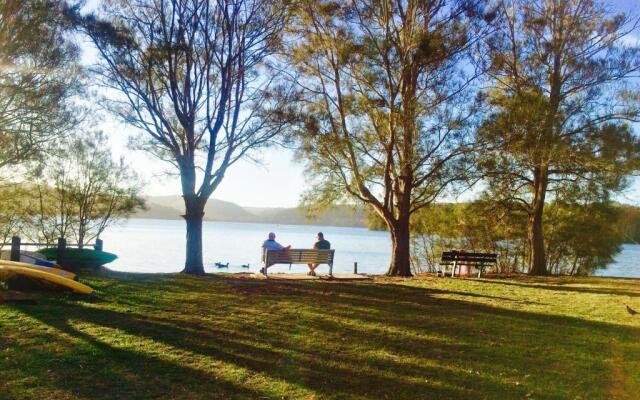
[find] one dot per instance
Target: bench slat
(469, 257)
(299, 256)
(459, 258)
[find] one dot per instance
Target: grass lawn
(174, 336)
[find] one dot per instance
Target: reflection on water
(148, 245)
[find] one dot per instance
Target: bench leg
(453, 271)
(331, 270)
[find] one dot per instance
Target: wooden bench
(458, 258)
(298, 256)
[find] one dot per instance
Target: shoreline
(486, 276)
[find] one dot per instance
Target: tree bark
(401, 242)
(535, 234)
(193, 217)
(194, 214)
(573, 268)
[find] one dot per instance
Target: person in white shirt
(271, 244)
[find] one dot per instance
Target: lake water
(626, 263)
(148, 245)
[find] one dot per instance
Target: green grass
(174, 336)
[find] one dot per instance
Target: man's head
(272, 236)
(320, 236)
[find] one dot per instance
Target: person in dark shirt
(320, 244)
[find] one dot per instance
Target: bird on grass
(221, 265)
(632, 311)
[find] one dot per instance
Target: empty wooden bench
(298, 256)
(459, 258)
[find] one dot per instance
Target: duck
(245, 265)
(221, 265)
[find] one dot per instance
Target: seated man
(271, 244)
(320, 244)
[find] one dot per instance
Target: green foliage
(38, 78)
(15, 211)
(385, 105)
(479, 226)
(629, 224)
(80, 258)
(579, 238)
(557, 128)
(84, 191)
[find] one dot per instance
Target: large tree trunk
(537, 258)
(81, 235)
(194, 214)
(401, 243)
(535, 233)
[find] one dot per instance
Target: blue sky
(277, 181)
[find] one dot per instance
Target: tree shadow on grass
(332, 341)
(90, 368)
(567, 353)
(265, 350)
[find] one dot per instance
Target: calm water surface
(626, 263)
(148, 245)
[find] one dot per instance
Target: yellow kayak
(9, 271)
(51, 270)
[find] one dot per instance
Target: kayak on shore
(52, 270)
(45, 277)
(28, 257)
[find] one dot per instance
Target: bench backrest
(476, 258)
(298, 256)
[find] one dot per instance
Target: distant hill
(336, 216)
(157, 211)
(172, 207)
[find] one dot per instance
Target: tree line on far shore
(395, 105)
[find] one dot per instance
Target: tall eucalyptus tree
(386, 92)
(191, 76)
(561, 100)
